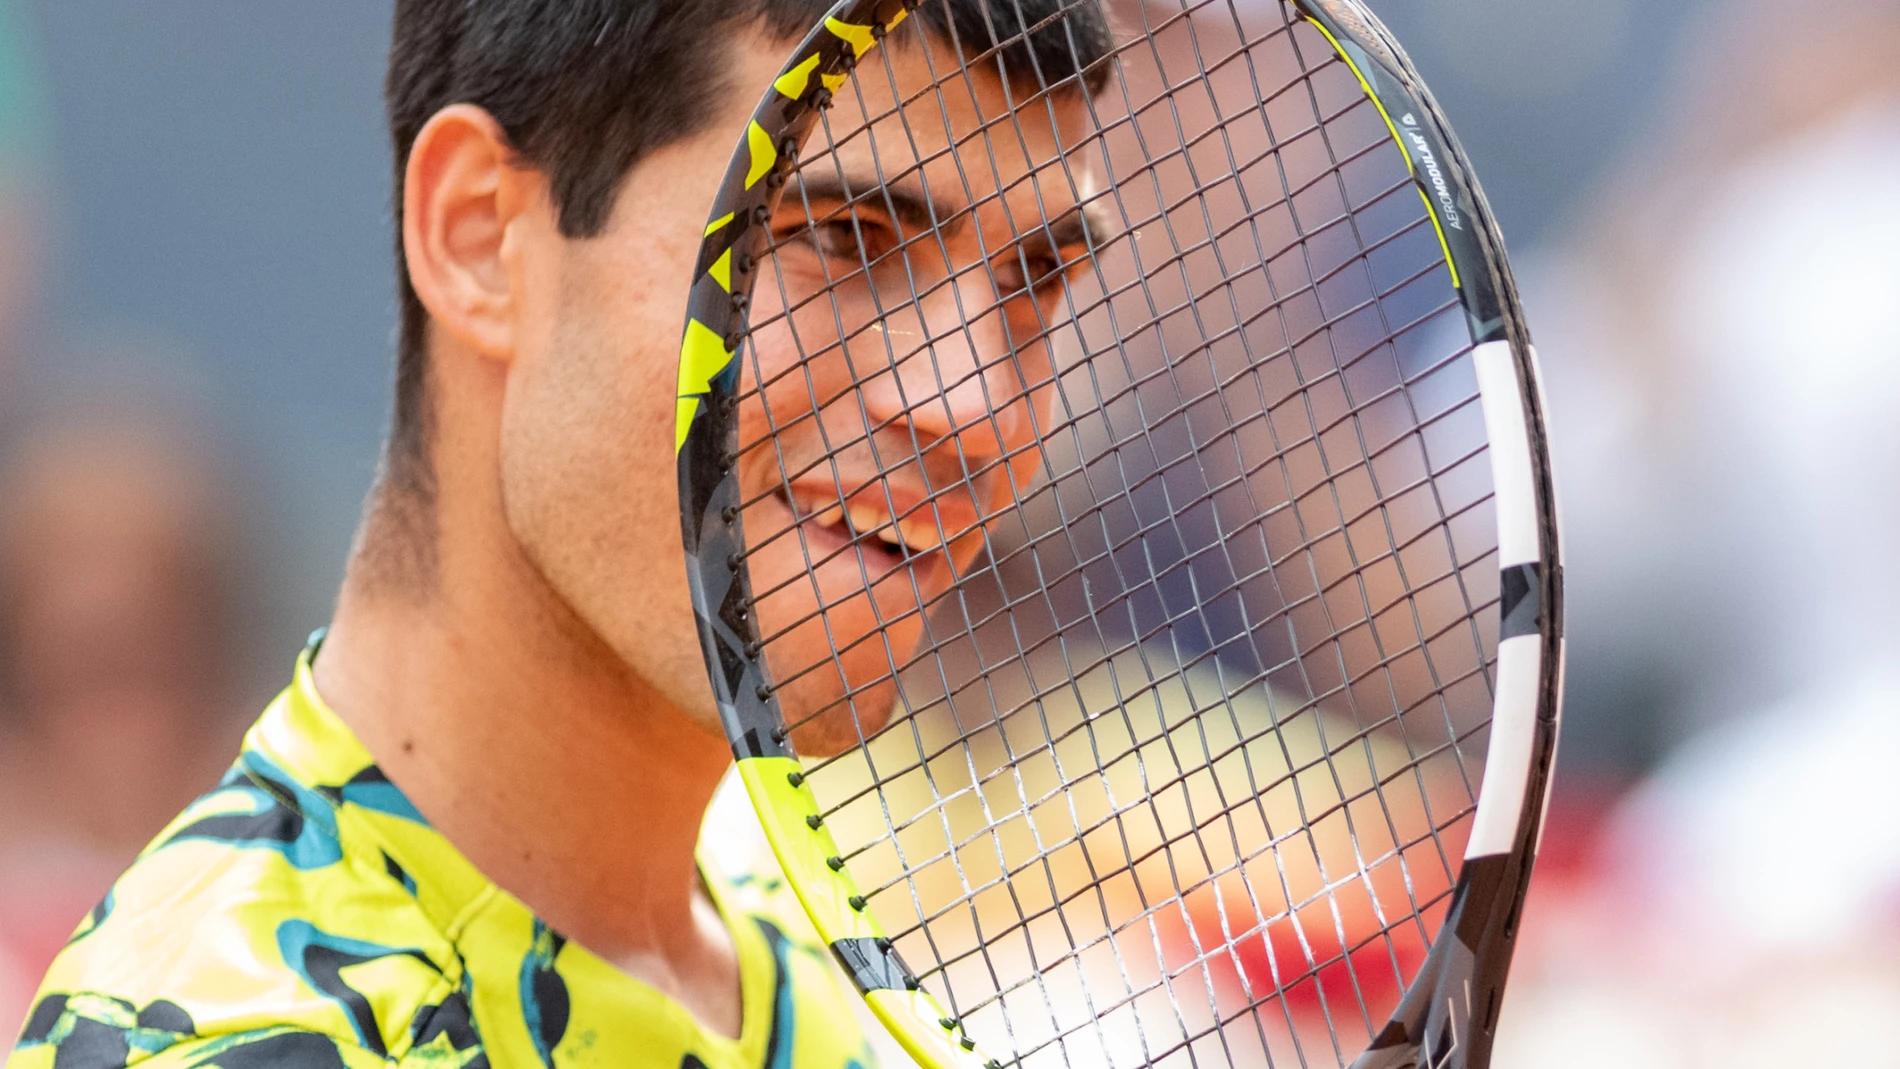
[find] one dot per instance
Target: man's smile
(890, 525)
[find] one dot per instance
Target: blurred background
(1703, 203)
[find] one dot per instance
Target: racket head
(1346, 133)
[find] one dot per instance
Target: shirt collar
(379, 826)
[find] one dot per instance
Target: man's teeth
(919, 535)
(865, 520)
(922, 536)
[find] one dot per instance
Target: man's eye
(1044, 270)
(1022, 272)
(854, 240)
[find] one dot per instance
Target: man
(469, 832)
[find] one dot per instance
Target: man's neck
(561, 775)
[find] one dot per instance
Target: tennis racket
(1117, 513)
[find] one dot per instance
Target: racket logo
(1428, 163)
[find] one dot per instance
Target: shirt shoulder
(304, 914)
(95, 1044)
(270, 908)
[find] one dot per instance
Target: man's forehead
(916, 125)
(911, 103)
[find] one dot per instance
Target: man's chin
(844, 724)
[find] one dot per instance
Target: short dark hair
(586, 88)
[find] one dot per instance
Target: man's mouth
(866, 518)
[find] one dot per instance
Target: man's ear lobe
(461, 196)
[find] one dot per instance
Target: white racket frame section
(1507, 765)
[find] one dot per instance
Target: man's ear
(464, 203)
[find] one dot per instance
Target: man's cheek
(963, 553)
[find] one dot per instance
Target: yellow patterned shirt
(303, 915)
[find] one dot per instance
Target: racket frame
(706, 444)
(1448, 1014)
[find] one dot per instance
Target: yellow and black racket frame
(1449, 1013)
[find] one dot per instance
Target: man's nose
(958, 380)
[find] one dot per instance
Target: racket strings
(1230, 933)
(1187, 664)
(983, 131)
(1047, 331)
(897, 253)
(1210, 394)
(1179, 762)
(1138, 534)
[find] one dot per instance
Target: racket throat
(874, 965)
(1449, 1016)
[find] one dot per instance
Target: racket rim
(775, 780)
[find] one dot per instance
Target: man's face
(895, 385)
(902, 362)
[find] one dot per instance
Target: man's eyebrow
(1086, 225)
(1083, 225)
(917, 212)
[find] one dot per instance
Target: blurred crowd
(126, 584)
(1721, 334)
(1718, 315)
(119, 567)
